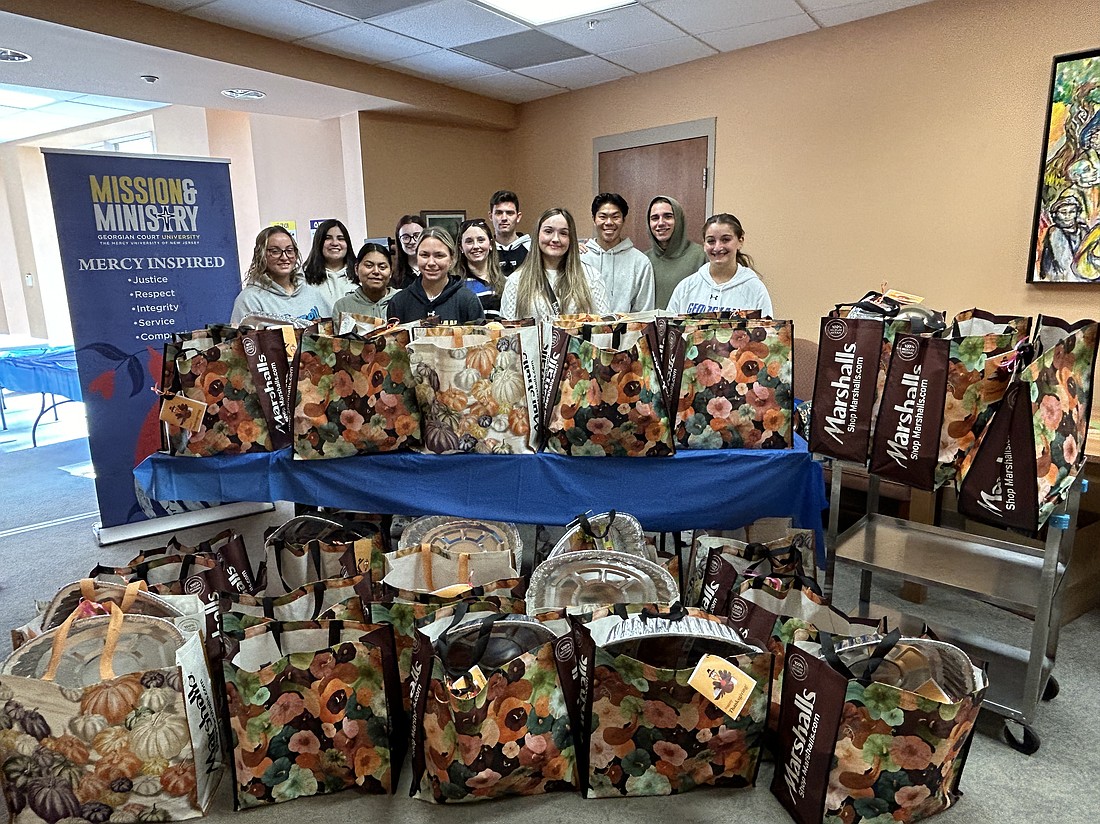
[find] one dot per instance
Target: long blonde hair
(257, 270)
(573, 293)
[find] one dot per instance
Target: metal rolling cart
(1014, 572)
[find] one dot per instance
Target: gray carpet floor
(1061, 782)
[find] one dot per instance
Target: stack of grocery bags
(640, 385)
(612, 670)
(996, 404)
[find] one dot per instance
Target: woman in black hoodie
(438, 292)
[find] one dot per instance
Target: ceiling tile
(715, 15)
(577, 73)
(280, 19)
(857, 11)
(442, 66)
(518, 51)
(615, 29)
(366, 9)
(509, 86)
(362, 41)
(448, 23)
(660, 55)
(9, 110)
(757, 33)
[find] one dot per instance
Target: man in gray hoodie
(626, 272)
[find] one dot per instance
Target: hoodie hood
(742, 276)
(593, 246)
(417, 293)
(678, 244)
(268, 285)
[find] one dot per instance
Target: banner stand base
(105, 535)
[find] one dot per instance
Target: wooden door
(639, 174)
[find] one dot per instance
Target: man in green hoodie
(673, 256)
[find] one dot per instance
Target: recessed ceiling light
(538, 14)
(13, 56)
(244, 94)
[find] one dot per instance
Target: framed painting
(449, 220)
(1065, 236)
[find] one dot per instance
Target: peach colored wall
(299, 172)
(904, 148)
(412, 165)
(231, 137)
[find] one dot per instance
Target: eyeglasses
(409, 238)
(280, 253)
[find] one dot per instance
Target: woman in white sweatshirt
(726, 282)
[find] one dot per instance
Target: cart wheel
(1030, 743)
(1051, 690)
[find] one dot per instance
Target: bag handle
(878, 655)
(676, 612)
(443, 644)
(129, 595)
(61, 635)
(590, 531)
(798, 582)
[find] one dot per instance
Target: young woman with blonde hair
(274, 289)
(438, 293)
(554, 281)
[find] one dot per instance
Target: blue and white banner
(148, 248)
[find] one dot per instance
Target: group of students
(488, 270)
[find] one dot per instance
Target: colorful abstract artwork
(1066, 232)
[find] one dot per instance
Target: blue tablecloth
(714, 489)
(50, 369)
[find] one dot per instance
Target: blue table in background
(48, 370)
(712, 489)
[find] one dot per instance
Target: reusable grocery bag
(310, 548)
(92, 597)
(1034, 447)
(233, 571)
(314, 708)
(772, 622)
(355, 395)
(489, 716)
(906, 443)
(641, 728)
(235, 421)
(108, 716)
(405, 611)
(732, 379)
(197, 575)
(478, 390)
(606, 400)
(845, 387)
(856, 745)
(344, 599)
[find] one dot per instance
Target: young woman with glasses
(554, 281)
(274, 290)
(408, 232)
(479, 265)
(330, 266)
